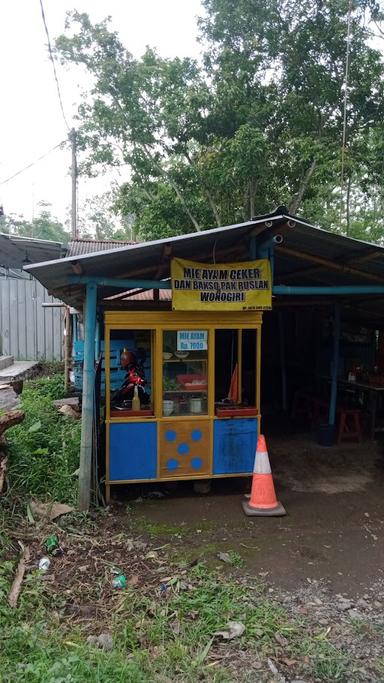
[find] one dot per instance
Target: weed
(44, 449)
(327, 661)
(235, 559)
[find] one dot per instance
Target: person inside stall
(135, 377)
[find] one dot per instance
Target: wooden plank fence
(29, 331)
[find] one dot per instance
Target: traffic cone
(262, 502)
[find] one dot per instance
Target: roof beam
(277, 289)
(331, 290)
(120, 284)
(362, 258)
(325, 263)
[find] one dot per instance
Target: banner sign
(243, 286)
(192, 340)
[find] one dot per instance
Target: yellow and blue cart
(189, 429)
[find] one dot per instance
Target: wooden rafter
(326, 263)
(312, 270)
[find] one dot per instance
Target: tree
(99, 219)
(44, 226)
(259, 123)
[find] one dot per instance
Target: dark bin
(326, 435)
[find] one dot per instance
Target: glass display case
(185, 372)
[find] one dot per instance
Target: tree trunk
(176, 189)
(163, 173)
(214, 208)
(297, 199)
(251, 198)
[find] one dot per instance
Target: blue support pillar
(335, 365)
(97, 340)
(87, 399)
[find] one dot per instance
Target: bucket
(326, 435)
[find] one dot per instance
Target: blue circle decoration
(196, 435)
(196, 463)
(170, 435)
(183, 449)
(172, 464)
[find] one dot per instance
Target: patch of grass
(236, 559)
(155, 529)
(183, 554)
(162, 636)
(44, 449)
(38, 646)
(328, 663)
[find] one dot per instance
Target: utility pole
(67, 315)
(72, 138)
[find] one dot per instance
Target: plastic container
(195, 405)
(326, 435)
(168, 408)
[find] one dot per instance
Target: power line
(53, 63)
(31, 164)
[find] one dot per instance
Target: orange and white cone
(262, 502)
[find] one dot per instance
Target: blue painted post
(335, 365)
(97, 340)
(266, 249)
(87, 399)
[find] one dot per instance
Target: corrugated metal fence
(29, 331)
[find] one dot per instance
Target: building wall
(27, 330)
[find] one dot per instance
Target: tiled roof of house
(81, 247)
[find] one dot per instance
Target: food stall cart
(189, 407)
(202, 396)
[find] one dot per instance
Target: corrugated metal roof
(308, 255)
(81, 246)
(17, 251)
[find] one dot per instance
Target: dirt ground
(322, 565)
(333, 531)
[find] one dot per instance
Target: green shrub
(44, 449)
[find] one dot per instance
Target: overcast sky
(31, 120)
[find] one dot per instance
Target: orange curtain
(233, 393)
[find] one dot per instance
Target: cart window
(185, 372)
(131, 363)
(235, 368)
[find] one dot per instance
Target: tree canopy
(274, 112)
(44, 226)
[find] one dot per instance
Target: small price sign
(192, 340)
